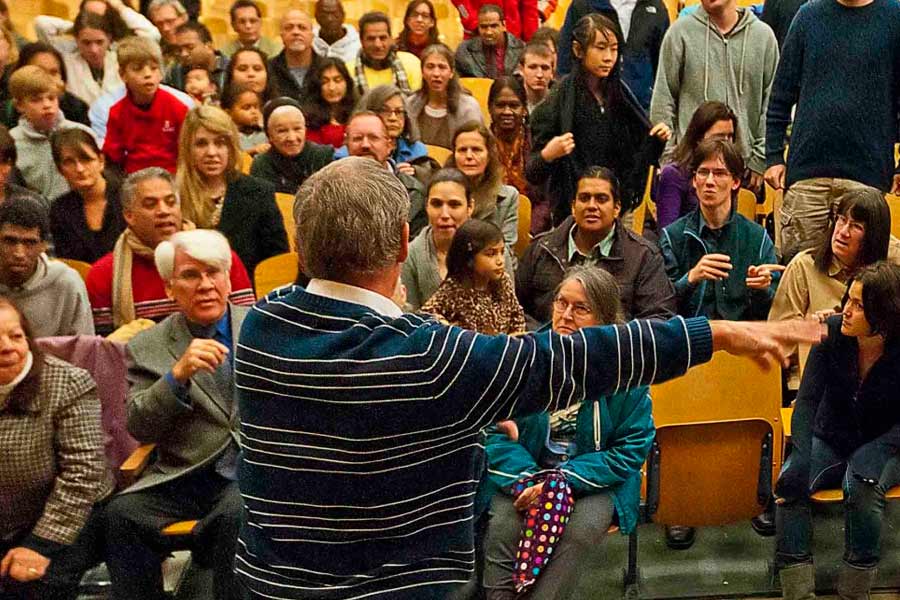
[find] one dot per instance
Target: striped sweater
(361, 450)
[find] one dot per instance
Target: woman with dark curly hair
(328, 101)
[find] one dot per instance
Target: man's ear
(169, 294)
(404, 244)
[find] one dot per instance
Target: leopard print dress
(492, 311)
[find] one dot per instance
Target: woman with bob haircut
(859, 234)
(845, 434)
(216, 195)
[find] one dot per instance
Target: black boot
(679, 537)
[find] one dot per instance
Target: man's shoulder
(637, 243)
(152, 340)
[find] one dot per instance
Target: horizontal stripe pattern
(361, 443)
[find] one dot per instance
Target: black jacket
(848, 414)
(636, 264)
(289, 173)
(640, 54)
(252, 222)
(284, 82)
(635, 149)
(72, 238)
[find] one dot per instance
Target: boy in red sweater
(143, 127)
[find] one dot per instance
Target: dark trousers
(579, 551)
(137, 547)
(66, 567)
(814, 465)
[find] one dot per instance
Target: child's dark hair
(234, 91)
(471, 238)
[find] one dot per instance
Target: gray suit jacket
(186, 437)
(471, 62)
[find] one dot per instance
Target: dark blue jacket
(640, 54)
(850, 415)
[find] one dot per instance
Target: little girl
(243, 105)
(477, 293)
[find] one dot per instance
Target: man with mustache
(594, 235)
(124, 285)
(366, 136)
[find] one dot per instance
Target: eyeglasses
(422, 16)
(703, 174)
(392, 112)
(579, 309)
(194, 277)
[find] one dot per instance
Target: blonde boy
(35, 95)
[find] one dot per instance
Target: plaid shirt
(52, 468)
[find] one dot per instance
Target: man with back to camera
(361, 456)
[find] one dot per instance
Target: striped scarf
(126, 247)
(396, 66)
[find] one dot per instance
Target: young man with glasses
(723, 266)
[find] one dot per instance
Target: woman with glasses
(816, 279)
(589, 456)
(723, 265)
(675, 195)
(442, 104)
(419, 28)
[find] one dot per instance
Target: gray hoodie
(697, 63)
(35, 160)
(54, 300)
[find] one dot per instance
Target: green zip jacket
(613, 435)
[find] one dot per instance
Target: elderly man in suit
(182, 399)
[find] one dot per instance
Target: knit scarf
(126, 247)
(396, 66)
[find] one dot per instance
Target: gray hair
(601, 290)
(206, 245)
(350, 218)
(129, 188)
(157, 4)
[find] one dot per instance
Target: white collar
(354, 295)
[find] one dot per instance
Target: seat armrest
(135, 464)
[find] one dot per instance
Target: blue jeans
(813, 465)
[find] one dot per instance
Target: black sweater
(72, 238)
(287, 173)
(252, 222)
(849, 413)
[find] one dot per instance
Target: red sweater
(330, 134)
(137, 138)
(149, 291)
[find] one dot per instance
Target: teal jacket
(683, 244)
(613, 435)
